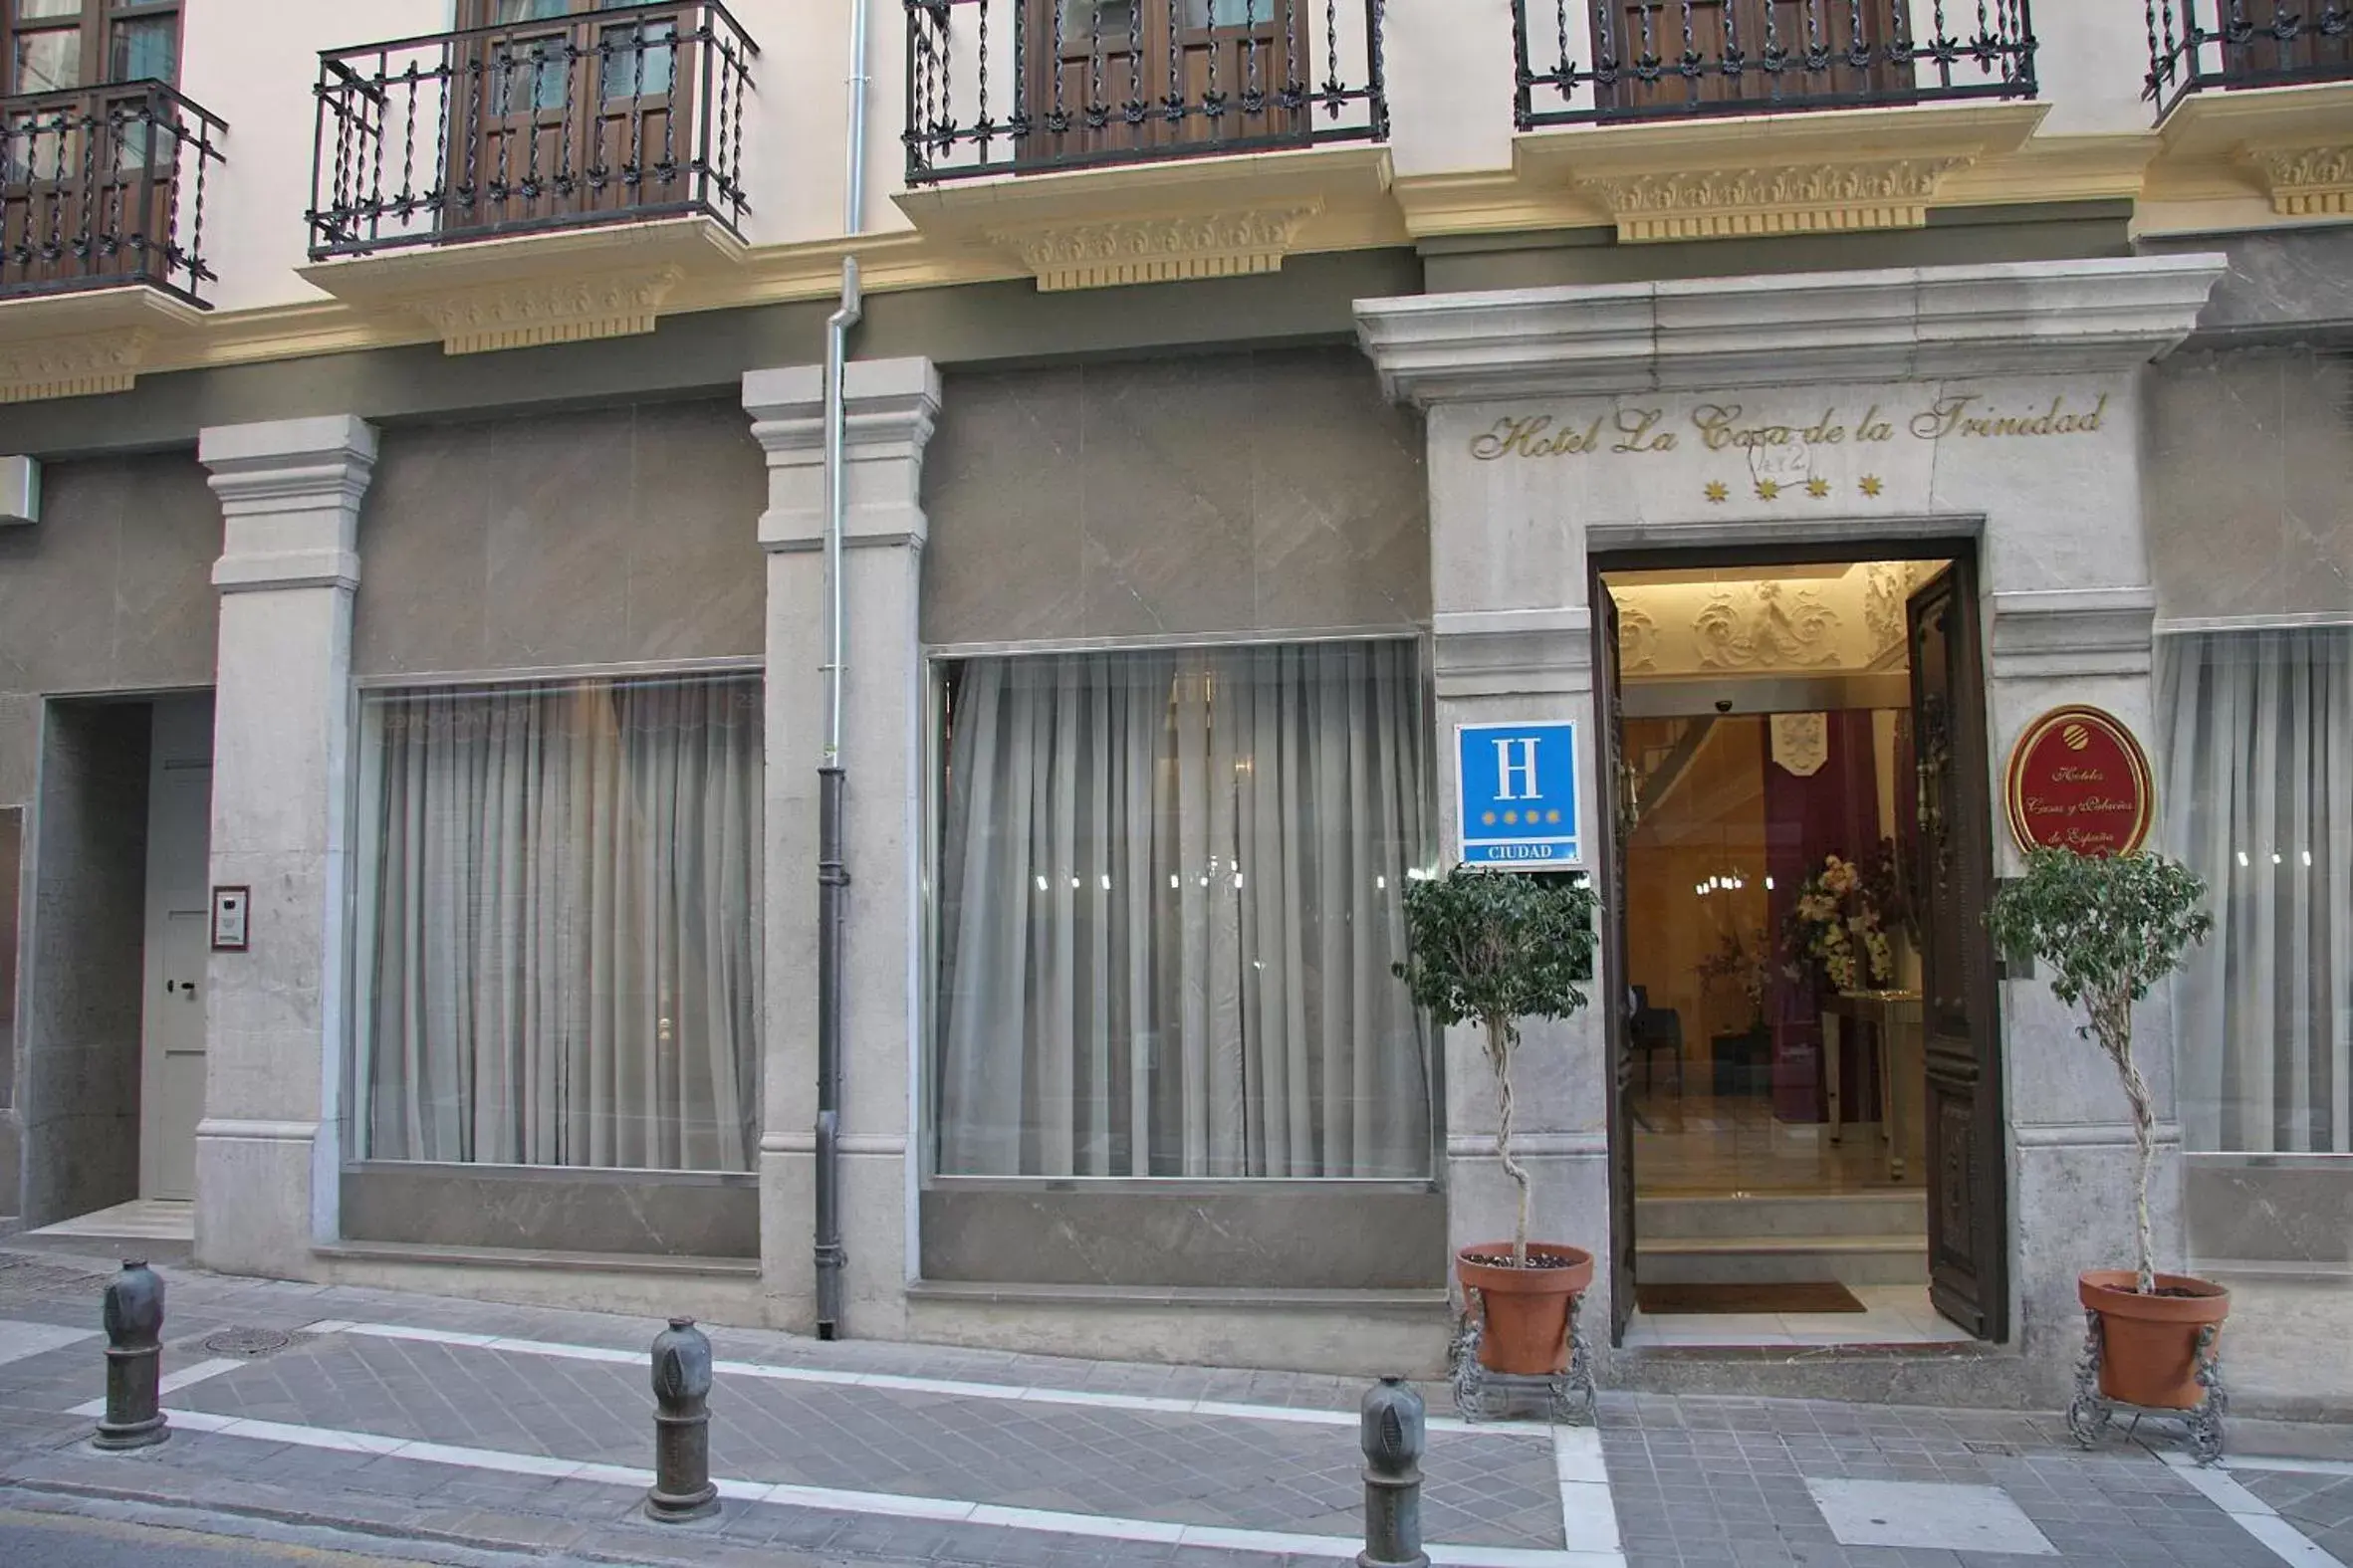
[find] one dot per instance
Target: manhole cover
(247, 1342)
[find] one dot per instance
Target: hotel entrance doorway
(1806, 1119)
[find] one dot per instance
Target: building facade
(518, 780)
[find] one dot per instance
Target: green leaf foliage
(1495, 947)
(2108, 926)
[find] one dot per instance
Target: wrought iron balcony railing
(604, 116)
(1012, 87)
(2200, 43)
(103, 186)
(1634, 59)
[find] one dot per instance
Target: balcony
(1666, 60)
(1022, 87)
(2201, 45)
(102, 189)
(610, 117)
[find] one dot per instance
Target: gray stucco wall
(609, 536)
(1233, 492)
(111, 590)
(2250, 467)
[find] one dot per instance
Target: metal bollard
(133, 1315)
(682, 1488)
(1395, 1434)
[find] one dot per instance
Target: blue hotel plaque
(1517, 784)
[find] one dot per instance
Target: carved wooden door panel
(1951, 849)
(1103, 73)
(1611, 824)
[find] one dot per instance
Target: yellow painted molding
(2293, 145)
(80, 343)
(566, 286)
(1746, 175)
(1214, 217)
(2046, 169)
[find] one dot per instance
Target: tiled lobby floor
(1895, 1315)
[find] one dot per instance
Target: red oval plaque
(2080, 781)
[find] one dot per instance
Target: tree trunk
(2117, 1037)
(1498, 1056)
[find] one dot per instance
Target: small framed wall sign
(230, 906)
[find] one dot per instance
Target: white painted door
(179, 810)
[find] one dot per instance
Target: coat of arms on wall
(1801, 742)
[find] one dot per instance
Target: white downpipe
(832, 862)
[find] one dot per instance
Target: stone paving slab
(2321, 1505)
(1494, 1487)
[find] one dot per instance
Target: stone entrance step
(1857, 1239)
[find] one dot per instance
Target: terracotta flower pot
(1523, 1313)
(2149, 1344)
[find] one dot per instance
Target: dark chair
(1651, 1030)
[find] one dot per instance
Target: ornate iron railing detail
(105, 186)
(2198, 44)
(1633, 60)
(604, 116)
(1007, 86)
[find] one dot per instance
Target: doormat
(1810, 1295)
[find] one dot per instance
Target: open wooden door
(1612, 826)
(1967, 1207)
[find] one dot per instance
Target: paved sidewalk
(488, 1428)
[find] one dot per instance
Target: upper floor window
(55, 45)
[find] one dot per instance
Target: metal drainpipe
(832, 872)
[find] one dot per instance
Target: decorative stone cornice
(290, 492)
(890, 408)
(1775, 174)
(533, 310)
(1513, 653)
(569, 286)
(2073, 631)
(84, 342)
(2293, 144)
(1222, 217)
(1229, 244)
(1905, 323)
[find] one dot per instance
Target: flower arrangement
(1742, 958)
(1841, 918)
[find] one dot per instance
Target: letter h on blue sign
(1517, 784)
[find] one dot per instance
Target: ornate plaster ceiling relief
(1756, 626)
(1790, 174)
(1886, 588)
(1638, 639)
(1103, 254)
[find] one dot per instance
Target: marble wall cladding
(1324, 1241)
(110, 592)
(605, 537)
(1223, 493)
(2284, 279)
(2251, 461)
(651, 1214)
(2260, 1210)
(79, 1077)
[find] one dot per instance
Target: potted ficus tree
(2110, 926)
(1491, 948)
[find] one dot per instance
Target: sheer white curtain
(2259, 798)
(1170, 902)
(561, 926)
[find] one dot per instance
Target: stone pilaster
(893, 405)
(267, 1149)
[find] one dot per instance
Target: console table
(1894, 1017)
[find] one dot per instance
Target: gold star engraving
(1717, 491)
(1872, 484)
(1769, 490)
(1817, 488)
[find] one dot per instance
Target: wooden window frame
(100, 18)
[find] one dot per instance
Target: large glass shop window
(558, 925)
(2259, 798)
(1170, 899)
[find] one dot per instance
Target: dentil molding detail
(1810, 198)
(2307, 181)
(73, 367)
(1158, 250)
(527, 311)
